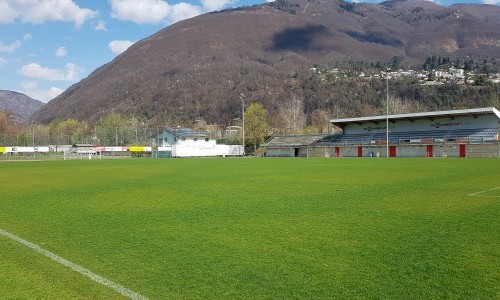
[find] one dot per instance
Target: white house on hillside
(185, 142)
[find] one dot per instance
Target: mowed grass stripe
(268, 228)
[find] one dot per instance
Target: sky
(48, 45)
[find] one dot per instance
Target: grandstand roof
(294, 140)
(422, 115)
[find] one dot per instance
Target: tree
(110, 129)
(482, 80)
(68, 130)
(396, 62)
(114, 120)
(320, 119)
(291, 115)
(495, 100)
(256, 125)
(7, 122)
(401, 106)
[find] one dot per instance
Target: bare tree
(400, 106)
(320, 119)
(291, 116)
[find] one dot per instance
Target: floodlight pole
(33, 136)
(387, 113)
(242, 98)
(145, 137)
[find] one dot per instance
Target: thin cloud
(71, 72)
(157, 11)
(100, 26)
(182, 11)
(44, 95)
(118, 47)
(38, 12)
(31, 89)
(3, 62)
(29, 85)
(61, 52)
(140, 11)
(8, 14)
(211, 5)
(10, 48)
(493, 2)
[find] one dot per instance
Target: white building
(185, 142)
(452, 73)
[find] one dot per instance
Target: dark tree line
(484, 65)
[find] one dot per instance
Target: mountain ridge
(20, 104)
(198, 67)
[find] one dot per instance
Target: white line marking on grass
(481, 192)
(97, 278)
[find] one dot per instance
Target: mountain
(198, 67)
(19, 104)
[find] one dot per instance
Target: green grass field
(234, 228)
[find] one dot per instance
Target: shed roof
(474, 112)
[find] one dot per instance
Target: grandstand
(293, 145)
(459, 133)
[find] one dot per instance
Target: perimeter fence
(103, 136)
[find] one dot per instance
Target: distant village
(435, 77)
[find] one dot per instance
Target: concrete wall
(192, 150)
(401, 151)
(492, 150)
(280, 152)
(438, 150)
(349, 151)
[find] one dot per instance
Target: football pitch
(250, 228)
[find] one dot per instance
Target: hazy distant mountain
(199, 66)
(18, 103)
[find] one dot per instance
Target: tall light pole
(136, 138)
(33, 136)
(242, 98)
(387, 113)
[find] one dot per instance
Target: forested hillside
(283, 55)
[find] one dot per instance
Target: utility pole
(33, 136)
(242, 98)
(387, 112)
